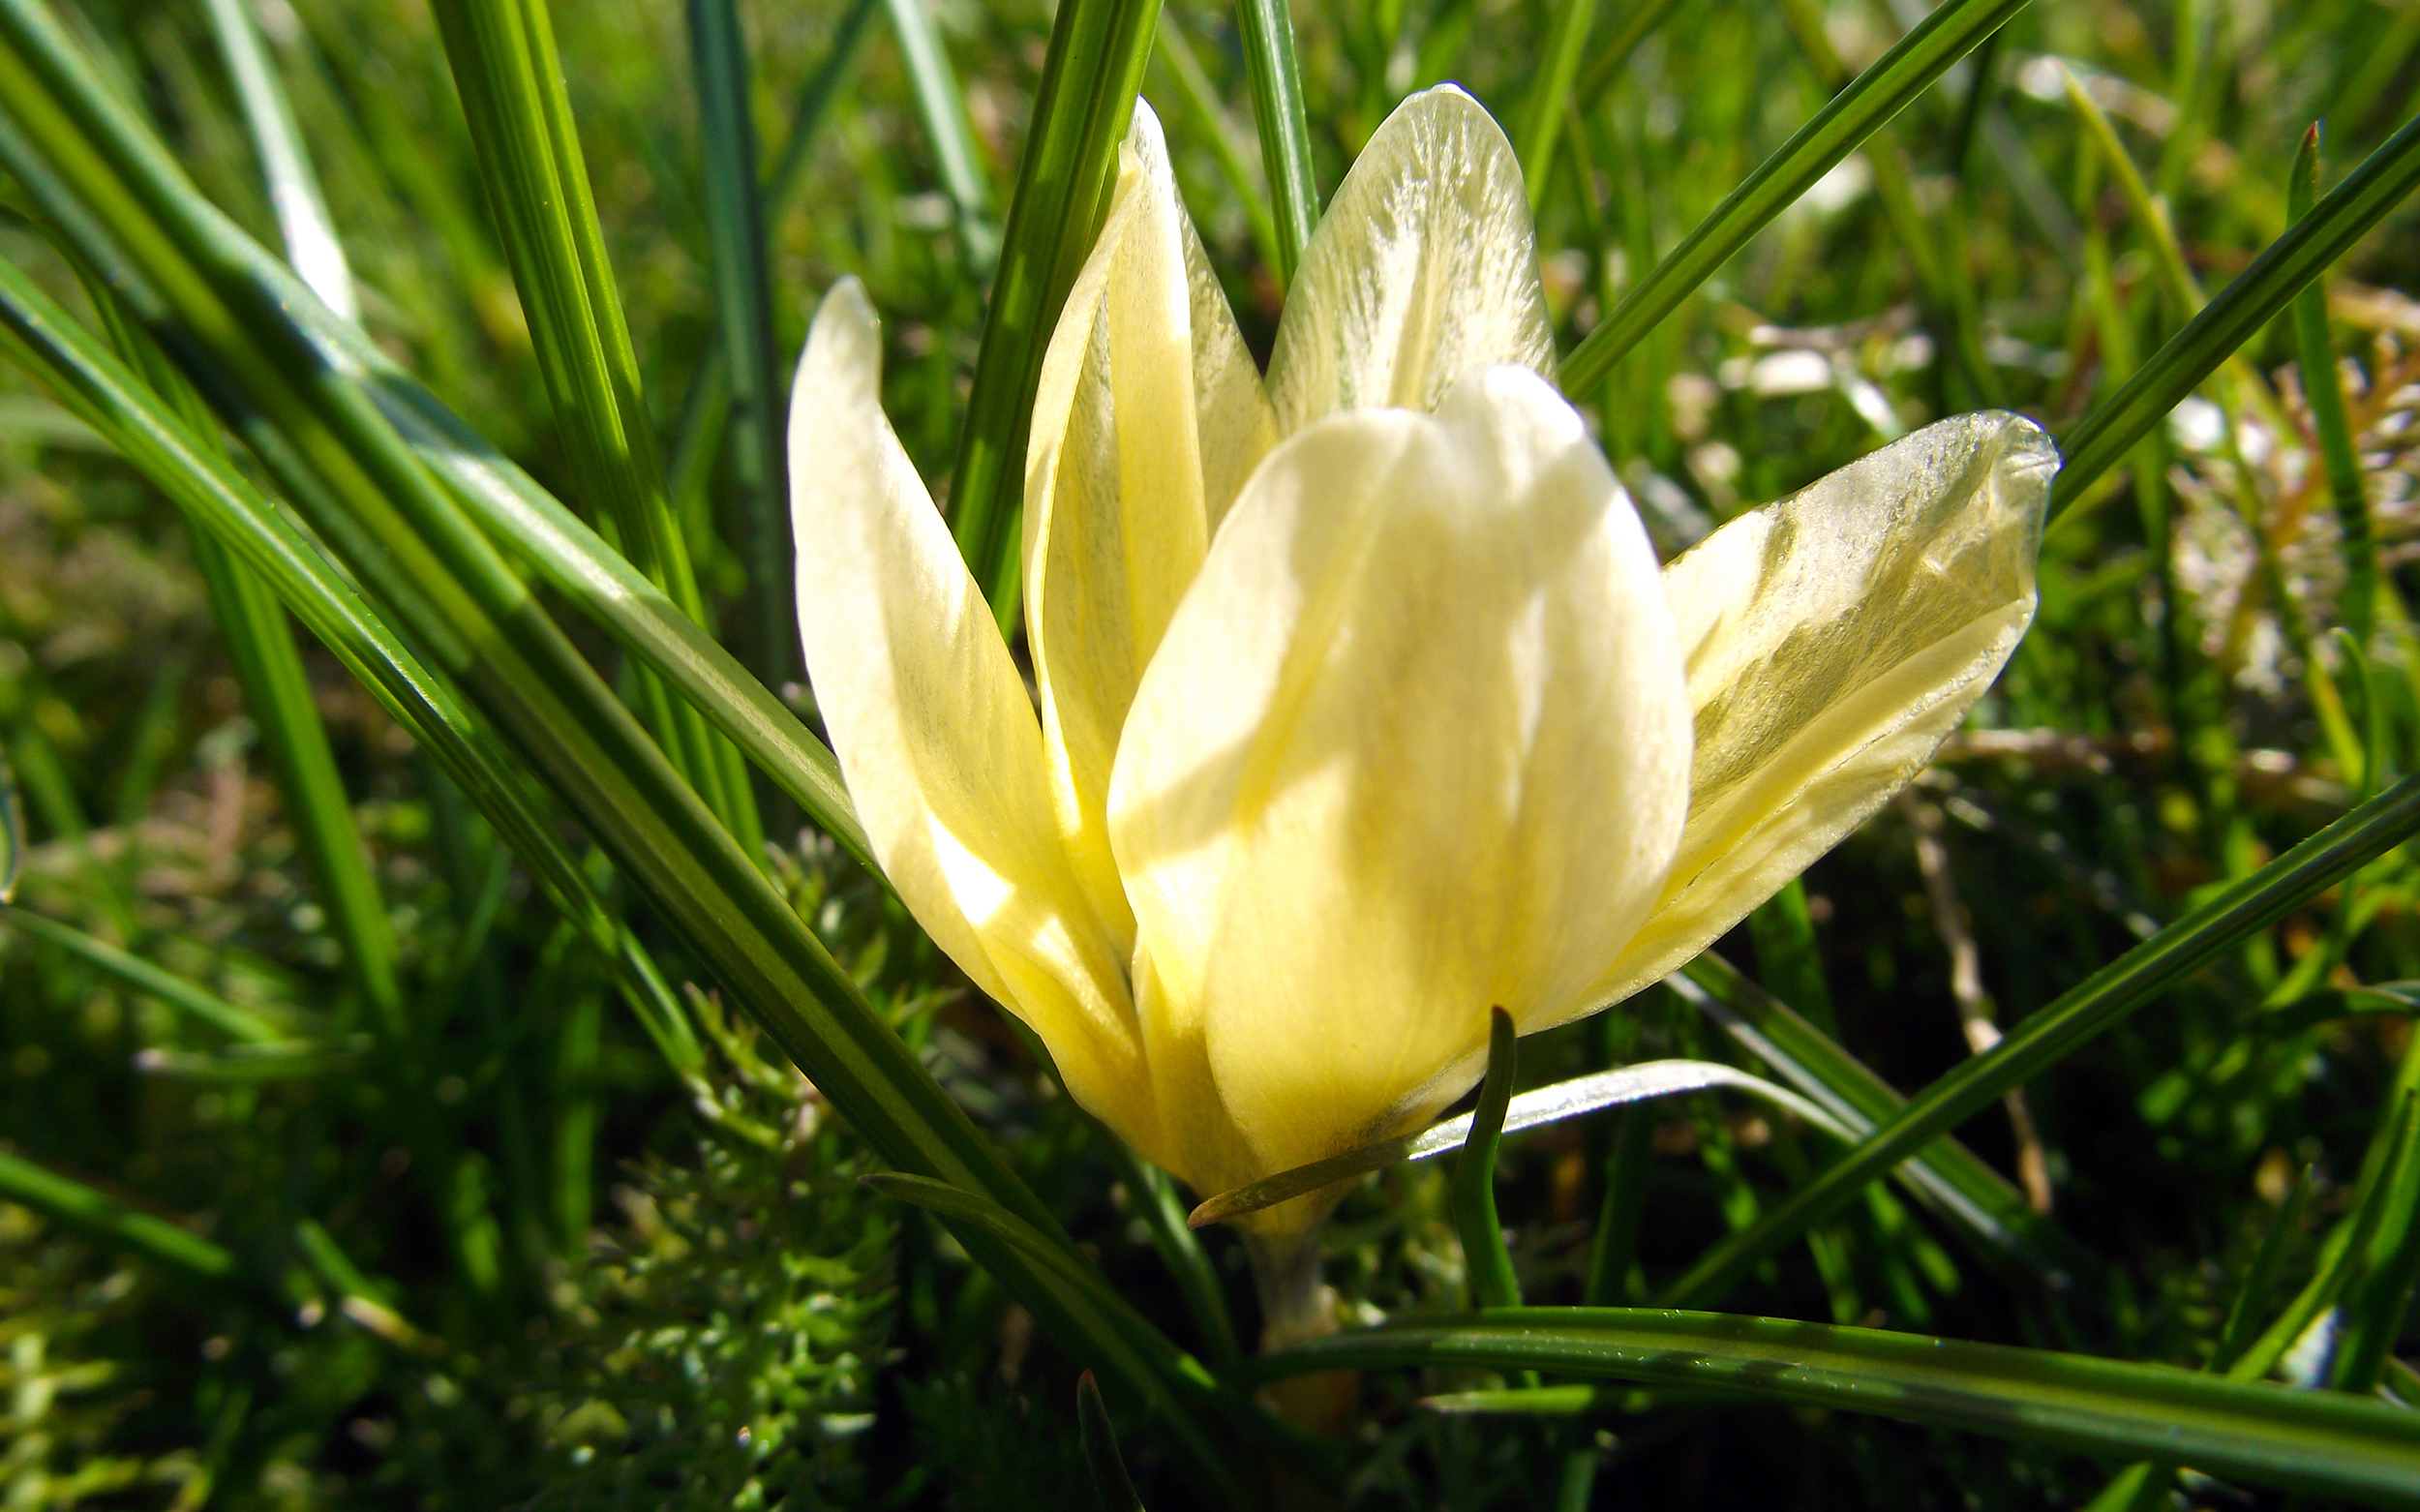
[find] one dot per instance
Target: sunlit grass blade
(2323, 390)
(2079, 1014)
(239, 1024)
(1081, 110)
(403, 534)
(2323, 1442)
(942, 107)
(302, 213)
(1542, 112)
(1954, 29)
(1283, 124)
(743, 323)
(222, 504)
(1493, 1283)
(1604, 1089)
(511, 85)
(1945, 1175)
(2284, 268)
(1153, 1194)
(1210, 125)
(107, 1219)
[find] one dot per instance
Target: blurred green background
(508, 1258)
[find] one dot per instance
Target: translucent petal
(1146, 387)
(1415, 743)
(1424, 269)
(1835, 639)
(937, 738)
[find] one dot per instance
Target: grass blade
(1283, 124)
(1493, 1283)
(1089, 79)
(106, 1218)
(2323, 390)
(1210, 125)
(241, 1026)
(2079, 1014)
(302, 214)
(2284, 268)
(1542, 114)
(1607, 61)
(505, 69)
(1111, 1488)
(743, 323)
(1954, 29)
(2318, 1442)
(943, 105)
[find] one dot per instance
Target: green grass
(397, 1008)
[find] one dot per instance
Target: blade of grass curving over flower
(2238, 312)
(2078, 1015)
(1954, 29)
(339, 459)
(511, 85)
(302, 212)
(743, 328)
(222, 504)
(1086, 99)
(2319, 1441)
(1284, 125)
(2323, 390)
(104, 1217)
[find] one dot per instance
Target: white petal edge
(1835, 639)
(1424, 269)
(1416, 745)
(936, 739)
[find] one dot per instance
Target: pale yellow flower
(1363, 703)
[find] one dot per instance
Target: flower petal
(1425, 269)
(1415, 743)
(1148, 416)
(935, 736)
(1835, 639)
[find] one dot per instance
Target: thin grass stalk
(302, 213)
(2323, 390)
(104, 1217)
(1283, 124)
(1542, 114)
(942, 104)
(744, 326)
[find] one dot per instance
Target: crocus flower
(1363, 703)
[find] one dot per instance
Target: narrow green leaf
(1615, 1243)
(1954, 29)
(744, 326)
(302, 214)
(1493, 1283)
(107, 1219)
(2390, 1263)
(1209, 124)
(1550, 92)
(1081, 110)
(511, 85)
(2319, 1441)
(1284, 125)
(2252, 1299)
(1154, 1195)
(237, 1023)
(2078, 1015)
(12, 833)
(2256, 296)
(942, 107)
(1113, 1491)
(2323, 390)
(1636, 25)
